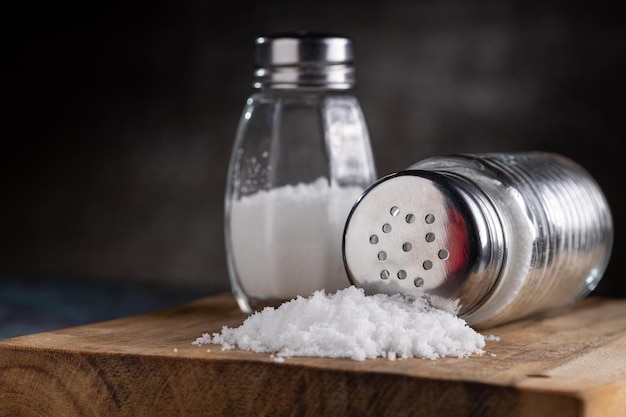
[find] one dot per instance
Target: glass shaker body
(493, 237)
(301, 157)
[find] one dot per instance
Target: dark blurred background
(121, 118)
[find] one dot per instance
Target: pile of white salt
(350, 324)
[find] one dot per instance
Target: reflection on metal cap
(304, 59)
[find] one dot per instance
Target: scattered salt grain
(350, 324)
(175, 350)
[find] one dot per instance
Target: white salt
(350, 324)
(287, 241)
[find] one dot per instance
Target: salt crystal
(287, 241)
(350, 324)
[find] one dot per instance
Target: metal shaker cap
(304, 60)
(421, 233)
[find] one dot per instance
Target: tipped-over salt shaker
(492, 237)
(301, 157)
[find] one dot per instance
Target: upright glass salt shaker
(301, 157)
(492, 237)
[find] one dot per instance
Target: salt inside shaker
(301, 157)
(491, 237)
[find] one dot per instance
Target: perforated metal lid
(304, 59)
(422, 233)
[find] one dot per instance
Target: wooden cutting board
(567, 364)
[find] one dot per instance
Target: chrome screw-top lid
(304, 60)
(420, 233)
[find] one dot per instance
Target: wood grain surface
(568, 364)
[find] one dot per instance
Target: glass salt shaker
(301, 157)
(490, 237)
